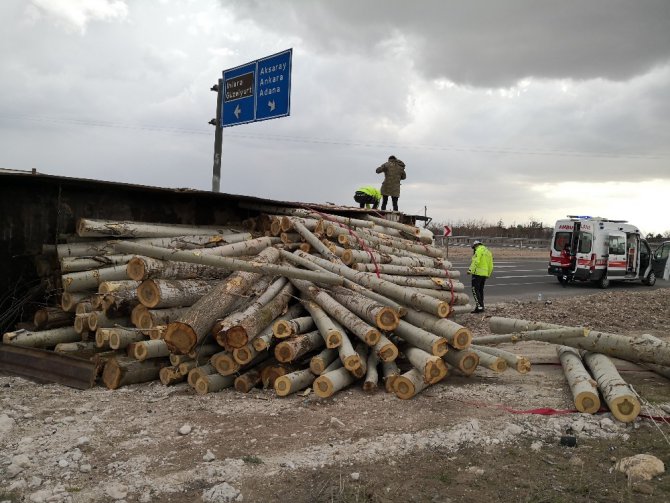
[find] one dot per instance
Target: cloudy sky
(501, 110)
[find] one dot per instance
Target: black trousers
(394, 200)
(362, 198)
(478, 290)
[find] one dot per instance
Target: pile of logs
(297, 300)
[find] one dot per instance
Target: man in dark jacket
(394, 171)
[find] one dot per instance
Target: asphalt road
(525, 279)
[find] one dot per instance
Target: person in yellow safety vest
(481, 267)
(368, 195)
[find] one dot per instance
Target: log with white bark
(319, 362)
(519, 363)
(156, 333)
(659, 369)
(348, 355)
(329, 329)
(119, 303)
(331, 382)
(196, 323)
(41, 339)
(314, 241)
(552, 335)
(89, 227)
(136, 313)
(350, 257)
(245, 382)
(491, 362)
(465, 360)
(244, 354)
(121, 338)
(170, 375)
(289, 350)
(52, 317)
(198, 372)
(141, 268)
(583, 387)
(454, 299)
(69, 300)
(432, 367)
(362, 352)
(79, 349)
(312, 224)
(249, 247)
(457, 335)
(162, 293)
(371, 375)
(81, 324)
(89, 280)
(77, 264)
(264, 339)
(290, 237)
(286, 328)
(98, 319)
(293, 382)
(399, 270)
(421, 338)
(229, 263)
(116, 286)
(211, 383)
(367, 333)
(390, 372)
(150, 318)
(122, 371)
(237, 329)
(619, 396)
(84, 307)
(409, 384)
(144, 350)
(383, 317)
(404, 228)
(407, 296)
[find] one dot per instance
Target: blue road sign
(257, 91)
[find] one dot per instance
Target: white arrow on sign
(272, 105)
(237, 112)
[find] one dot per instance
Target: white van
(599, 250)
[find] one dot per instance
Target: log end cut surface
(149, 294)
(625, 408)
(180, 338)
(587, 402)
(403, 387)
(323, 387)
(462, 338)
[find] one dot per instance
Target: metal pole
(218, 139)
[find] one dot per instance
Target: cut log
(156, 333)
(120, 303)
(422, 339)
(244, 354)
(80, 324)
(212, 383)
(491, 362)
(150, 318)
(77, 264)
(432, 367)
(457, 336)
(83, 348)
(331, 382)
(264, 339)
(247, 381)
(237, 330)
(44, 339)
(584, 389)
(197, 322)
(329, 330)
(52, 317)
(198, 372)
(371, 376)
(519, 363)
(383, 317)
(289, 350)
(170, 375)
(69, 300)
(136, 313)
(409, 384)
(391, 373)
(553, 335)
(465, 360)
(347, 354)
(122, 371)
(385, 350)
(84, 308)
(362, 351)
(98, 319)
(248, 247)
(117, 286)
(318, 363)
(150, 350)
(402, 270)
(314, 241)
(89, 280)
(620, 398)
(88, 227)
(142, 268)
(293, 382)
(159, 293)
(121, 338)
(286, 328)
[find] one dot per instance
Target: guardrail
(466, 241)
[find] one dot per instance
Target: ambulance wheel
(651, 279)
(604, 283)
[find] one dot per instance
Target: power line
(478, 149)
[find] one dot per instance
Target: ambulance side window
(617, 245)
(561, 239)
(585, 239)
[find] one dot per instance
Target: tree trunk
(362, 351)
(432, 367)
(170, 375)
(82, 349)
(318, 363)
(121, 338)
(89, 280)
(122, 371)
(519, 363)
(88, 227)
(465, 360)
(331, 382)
(348, 355)
(250, 247)
(422, 339)
(141, 268)
(150, 350)
(618, 395)
(159, 293)
(329, 330)
(385, 350)
(52, 317)
(491, 362)
(584, 389)
(457, 336)
(263, 340)
(150, 318)
(212, 383)
(314, 242)
(293, 382)
(409, 384)
(371, 376)
(78, 264)
(247, 381)
(44, 339)
(384, 317)
(198, 372)
(244, 354)
(69, 300)
(287, 328)
(391, 373)
(98, 319)
(294, 347)
(552, 335)
(401, 270)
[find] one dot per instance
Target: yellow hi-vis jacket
(482, 262)
(371, 191)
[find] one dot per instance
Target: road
(525, 279)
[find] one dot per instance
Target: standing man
(481, 267)
(394, 171)
(368, 195)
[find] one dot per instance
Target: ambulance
(599, 250)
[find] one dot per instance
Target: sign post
(256, 91)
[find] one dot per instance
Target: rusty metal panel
(46, 366)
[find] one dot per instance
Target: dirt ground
(462, 440)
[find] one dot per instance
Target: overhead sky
(514, 110)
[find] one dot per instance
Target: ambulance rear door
(616, 260)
